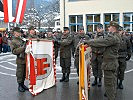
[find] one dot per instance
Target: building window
(128, 21)
(58, 23)
(92, 21)
(77, 0)
(110, 17)
(75, 21)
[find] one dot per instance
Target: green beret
(115, 24)
(81, 28)
(66, 28)
(31, 28)
(17, 29)
(120, 28)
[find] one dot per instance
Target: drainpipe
(64, 13)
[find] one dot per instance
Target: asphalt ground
(62, 91)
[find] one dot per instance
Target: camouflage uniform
(76, 41)
(19, 50)
(32, 36)
(97, 58)
(65, 53)
(110, 61)
(56, 45)
(124, 54)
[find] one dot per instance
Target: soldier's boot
(77, 82)
(63, 77)
(20, 87)
(25, 87)
(105, 94)
(95, 82)
(67, 78)
(120, 85)
(100, 82)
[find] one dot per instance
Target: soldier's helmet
(17, 29)
(66, 28)
(115, 24)
(100, 26)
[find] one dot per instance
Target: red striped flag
(21, 5)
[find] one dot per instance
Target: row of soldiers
(109, 53)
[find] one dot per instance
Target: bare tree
(43, 14)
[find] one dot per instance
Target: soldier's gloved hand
(128, 57)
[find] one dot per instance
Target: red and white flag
(40, 65)
(20, 9)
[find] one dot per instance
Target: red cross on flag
(20, 9)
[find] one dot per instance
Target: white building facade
(89, 13)
(57, 23)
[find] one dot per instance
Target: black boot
(67, 78)
(25, 87)
(120, 84)
(20, 87)
(100, 82)
(105, 94)
(77, 82)
(95, 82)
(63, 77)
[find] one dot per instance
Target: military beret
(65, 28)
(100, 26)
(31, 28)
(120, 28)
(81, 28)
(17, 29)
(115, 24)
(49, 29)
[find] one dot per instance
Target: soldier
(18, 49)
(50, 36)
(78, 38)
(124, 55)
(32, 33)
(111, 44)
(97, 57)
(65, 54)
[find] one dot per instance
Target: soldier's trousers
(65, 63)
(110, 82)
(76, 63)
(21, 72)
(121, 68)
(96, 66)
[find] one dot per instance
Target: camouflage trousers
(121, 68)
(110, 82)
(76, 63)
(21, 72)
(65, 63)
(96, 66)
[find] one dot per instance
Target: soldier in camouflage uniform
(78, 38)
(97, 57)
(18, 49)
(110, 64)
(65, 54)
(32, 33)
(124, 55)
(50, 36)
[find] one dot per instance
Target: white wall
(93, 7)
